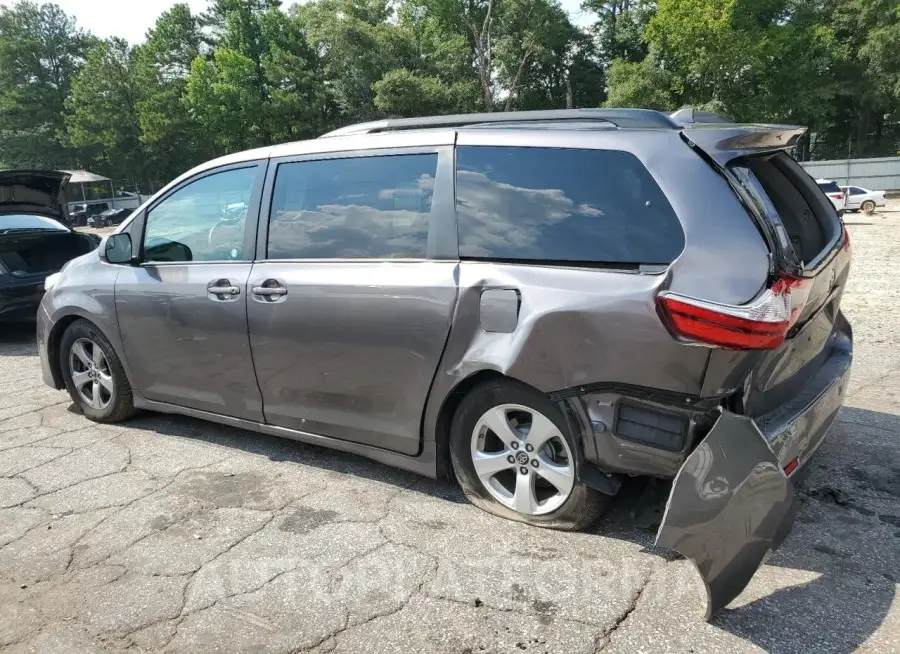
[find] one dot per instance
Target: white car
(837, 196)
(859, 198)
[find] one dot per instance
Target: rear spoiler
(723, 142)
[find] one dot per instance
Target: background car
(35, 239)
(109, 217)
(834, 193)
(82, 212)
(862, 199)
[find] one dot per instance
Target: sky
(130, 19)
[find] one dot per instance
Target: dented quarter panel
(731, 503)
(569, 332)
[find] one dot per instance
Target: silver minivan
(538, 304)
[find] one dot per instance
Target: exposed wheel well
(445, 418)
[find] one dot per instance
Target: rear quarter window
(562, 205)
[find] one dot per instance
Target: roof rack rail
(625, 118)
(690, 116)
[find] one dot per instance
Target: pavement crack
(606, 637)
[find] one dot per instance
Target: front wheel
(93, 374)
(513, 456)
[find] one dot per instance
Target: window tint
(592, 206)
(356, 208)
(203, 221)
(829, 187)
(855, 190)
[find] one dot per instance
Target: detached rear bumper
(732, 502)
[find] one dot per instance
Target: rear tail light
(836, 196)
(763, 324)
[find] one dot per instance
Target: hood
(40, 192)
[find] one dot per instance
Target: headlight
(51, 280)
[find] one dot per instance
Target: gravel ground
(169, 533)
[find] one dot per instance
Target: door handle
(223, 288)
(269, 291)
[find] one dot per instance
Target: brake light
(836, 196)
(762, 324)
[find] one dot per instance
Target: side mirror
(118, 249)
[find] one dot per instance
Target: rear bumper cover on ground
(731, 502)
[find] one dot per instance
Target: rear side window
(354, 208)
(562, 205)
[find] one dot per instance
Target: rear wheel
(93, 374)
(514, 457)
(868, 207)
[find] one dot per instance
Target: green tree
(865, 114)
(297, 101)
(357, 44)
(639, 84)
(172, 139)
(223, 95)
(102, 121)
(619, 28)
(543, 60)
(404, 93)
(261, 86)
(41, 49)
(753, 59)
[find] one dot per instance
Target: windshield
(23, 221)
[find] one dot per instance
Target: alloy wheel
(522, 459)
(90, 373)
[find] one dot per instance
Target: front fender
(731, 503)
(86, 289)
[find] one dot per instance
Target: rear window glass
(562, 205)
(829, 187)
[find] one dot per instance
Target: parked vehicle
(859, 198)
(539, 304)
(109, 218)
(35, 240)
(834, 193)
(83, 212)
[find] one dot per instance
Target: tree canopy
(245, 73)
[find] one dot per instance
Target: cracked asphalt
(166, 533)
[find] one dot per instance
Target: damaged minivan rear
(537, 304)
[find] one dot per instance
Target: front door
(183, 310)
(349, 305)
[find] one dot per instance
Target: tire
(868, 207)
(114, 401)
(523, 409)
